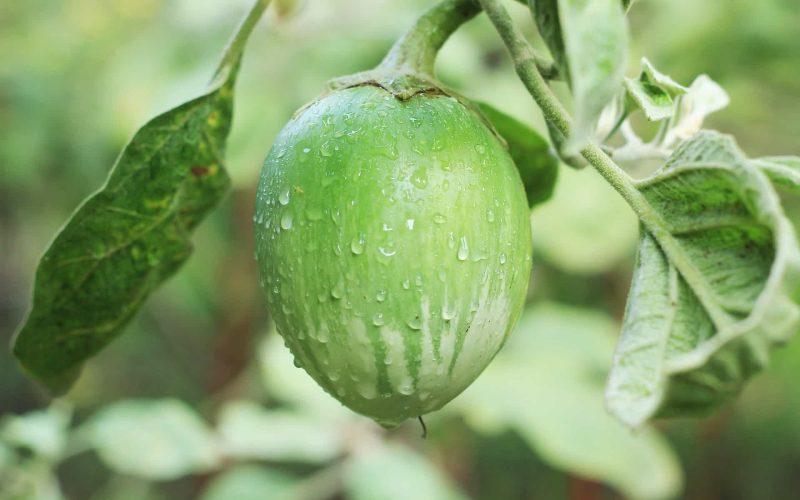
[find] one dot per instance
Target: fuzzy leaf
(133, 233)
(535, 162)
(784, 171)
(713, 293)
(653, 92)
(588, 40)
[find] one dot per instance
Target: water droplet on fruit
(286, 220)
(377, 320)
(406, 387)
(463, 249)
(337, 292)
(357, 245)
(414, 322)
(387, 251)
(380, 296)
(283, 198)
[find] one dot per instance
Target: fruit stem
(235, 47)
(415, 51)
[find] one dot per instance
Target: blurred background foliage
(199, 399)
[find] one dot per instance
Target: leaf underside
(588, 40)
(704, 312)
(127, 238)
(783, 171)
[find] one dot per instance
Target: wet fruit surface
(394, 245)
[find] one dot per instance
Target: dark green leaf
(784, 171)
(626, 4)
(588, 40)
(133, 233)
(713, 292)
(537, 166)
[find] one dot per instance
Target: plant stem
(524, 62)
(415, 51)
(235, 47)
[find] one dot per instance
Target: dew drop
(357, 245)
(502, 258)
(387, 251)
(410, 224)
(306, 150)
(337, 292)
(377, 320)
(480, 149)
(286, 220)
(406, 388)
(463, 249)
(380, 296)
(406, 284)
(439, 218)
(283, 198)
(414, 322)
(490, 215)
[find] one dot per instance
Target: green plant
(716, 279)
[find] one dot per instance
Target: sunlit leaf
(394, 472)
(588, 40)
(249, 431)
(158, 439)
(250, 482)
(712, 293)
(547, 385)
(535, 162)
(784, 171)
(131, 235)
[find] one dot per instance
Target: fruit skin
(394, 246)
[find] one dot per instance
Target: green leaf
(133, 233)
(588, 40)
(159, 439)
(42, 432)
(653, 92)
(385, 471)
(537, 166)
(250, 482)
(547, 385)
(249, 431)
(712, 293)
(784, 171)
(626, 4)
